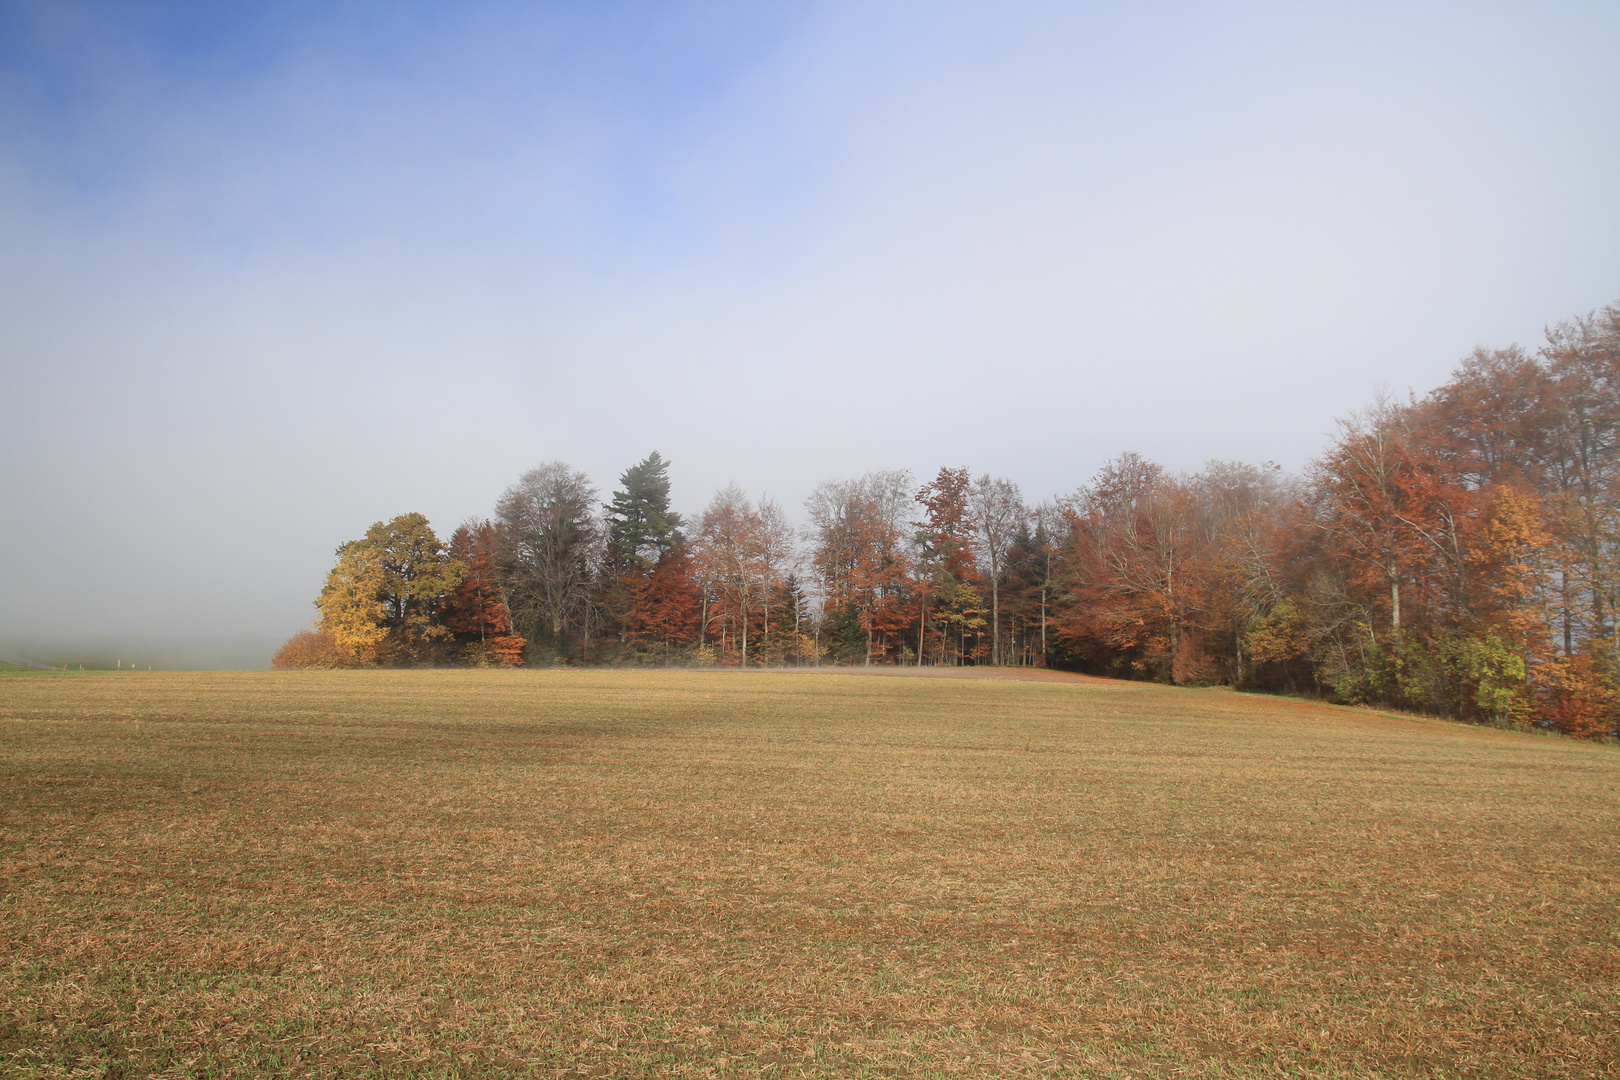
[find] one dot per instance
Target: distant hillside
(239, 652)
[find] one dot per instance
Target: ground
(455, 873)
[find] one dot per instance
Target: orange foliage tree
(477, 613)
(1137, 579)
(665, 604)
(946, 570)
(861, 554)
(742, 552)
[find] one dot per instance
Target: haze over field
(269, 276)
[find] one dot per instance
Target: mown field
(452, 873)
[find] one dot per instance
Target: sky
(272, 272)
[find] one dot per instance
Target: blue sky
(269, 273)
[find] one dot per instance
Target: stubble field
(629, 874)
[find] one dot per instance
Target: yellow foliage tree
(353, 614)
(383, 601)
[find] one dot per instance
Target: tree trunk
(922, 627)
(1569, 629)
(1043, 625)
(995, 621)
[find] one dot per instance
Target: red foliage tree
(947, 573)
(861, 555)
(947, 528)
(1577, 699)
(1139, 572)
(664, 603)
(477, 612)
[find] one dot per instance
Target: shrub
(1578, 700)
(310, 649)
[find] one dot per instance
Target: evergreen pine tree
(641, 526)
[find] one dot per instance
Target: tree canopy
(1457, 553)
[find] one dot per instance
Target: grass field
(445, 873)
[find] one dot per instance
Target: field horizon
(791, 873)
(161, 652)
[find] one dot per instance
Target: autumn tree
(351, 606)
(860, 551)
(1250, 517)
(1034, 562)
(383, 601)
(1495, 421)
(546, 536)
(998, 515)
(638, 529)
(737, 552)
(1361, 490)
(1391, 519)
(1475, 531)
(787, 631)
(946, 568)
(1582, 357)
(776, 554)
(948, 525)
(1137, 582)
(1457, 553)
(1577, 698)
(665, 604)
(309, 649)
(477, 612)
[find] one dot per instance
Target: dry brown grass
(680, 874)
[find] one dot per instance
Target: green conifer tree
(641, 526)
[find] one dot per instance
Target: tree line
(1456, 553)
